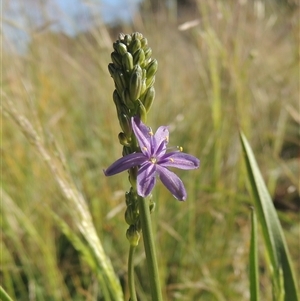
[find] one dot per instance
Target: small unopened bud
(127, 39)
(120, 82)
(131, 214)
(121, 36)
(135, 83)
(111, 69)
(142, 112)
(116, 59)
(137, 36)
(152, 207)
(127, 61)
(148, 53)
(120, 47)
(144, 86)
(117, 100)
(127, 99)
(148, 98)
(130, 197)
(125, 124)
(134, 46)
(152, 68)
(144, 42)
(139, 57)
(132, 176)
(133, 236)
(123, 139)
(150, 81)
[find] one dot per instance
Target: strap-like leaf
(253, 260)
(283, 278)
(3, 295)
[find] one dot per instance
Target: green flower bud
(144, 86)
(135, 83)
(148, 98)
(132, 176)
(152, 68)
(127, 61)
(111, 69)
(127, 39)
(125, 124)
(144, 42)
(121, 36)
(120, 47)
(133, 236)
(134, 46)
(142, 112)
(139, 57)
(116, 59)
(131, 214)
(117, 100)
(137, 36)
(152, 206)
(123, 139)
(120, 82)
(130, 197)
(127, 99)
(148, 53)
(150, 81)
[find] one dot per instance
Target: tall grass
(238, 68)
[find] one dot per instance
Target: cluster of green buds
(133, 71)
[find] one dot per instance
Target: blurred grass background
(235, 66)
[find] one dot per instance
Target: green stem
(149, 249)
(131, 274)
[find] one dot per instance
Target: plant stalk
(131, 284)
(150, 249)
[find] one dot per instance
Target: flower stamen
(153, 160)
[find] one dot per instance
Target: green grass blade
(74, 198)
(283, 279)
(3, 295)
(85, 251)
(253, 260)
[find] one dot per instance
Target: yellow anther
(172, 160)
(151, 133)
(144, 148)
(180, 148)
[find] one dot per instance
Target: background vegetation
(236, 66)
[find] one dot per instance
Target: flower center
(153, 160)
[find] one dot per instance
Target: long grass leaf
(253, 260)
(284, 284)
(3, 295)
(85, 251)
(74, 199)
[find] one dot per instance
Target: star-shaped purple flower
(153, 161)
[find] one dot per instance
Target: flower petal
(143, 135)
(179, 160)
(146, 179)
(125, 163)
(160, 141)
(172, 182)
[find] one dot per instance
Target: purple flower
(153, 161)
